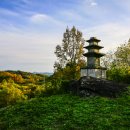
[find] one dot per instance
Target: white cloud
(91, 10)
(93, 4)
(39, 18)
(90, 3)
(43, 18)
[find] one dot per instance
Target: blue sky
(30, 29)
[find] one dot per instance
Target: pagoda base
(96, 73)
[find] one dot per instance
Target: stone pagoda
(93, 68)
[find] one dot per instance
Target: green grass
(67, 112)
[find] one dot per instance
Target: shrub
(10, 93)
(119, 74)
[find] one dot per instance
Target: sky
(31, 29)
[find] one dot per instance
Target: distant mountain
(45, 73)
(23, 72)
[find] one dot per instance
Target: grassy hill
(67, 112)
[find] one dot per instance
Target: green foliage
(33, 85)
(66, 112)
(32, 90)
(119, 69)
(7, 75)
(123, 53)
(56, 86)
(70, 55)
(69, 72)
(16, 86)
(64, 86)
(21, 77)
(107, 60)
(10, 93)
(119, 74)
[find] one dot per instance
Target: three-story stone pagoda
(93, 68)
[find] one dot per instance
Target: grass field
(67, 112)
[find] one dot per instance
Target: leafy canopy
(70, 53)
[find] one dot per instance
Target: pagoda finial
(93, 39)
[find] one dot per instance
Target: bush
(10, 93)
(56, 86)
(119, 74)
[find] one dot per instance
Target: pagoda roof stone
(93, 54)
(92, 39)
(93, 46)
